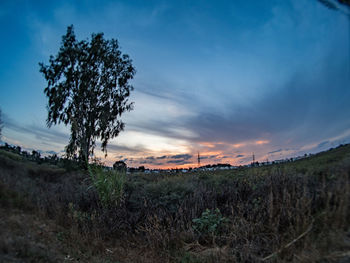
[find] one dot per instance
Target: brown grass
(294, 212)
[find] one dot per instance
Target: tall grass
(290, 212)
(109, 184)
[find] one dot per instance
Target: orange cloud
(207, 144)
(238, 145)
(210, 153)
(260, 142)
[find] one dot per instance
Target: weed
(108, 184)
(210, 223)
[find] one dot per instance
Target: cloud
(277, 74)
(159, 115)
(178, 159)
(152, 163)
(125, 149)
(311, 101)
(276, 151)
(261, 142)
(213, 156)
(181, 156)
(322, 144)
(40, 133)
(178, 162)
(245, 160)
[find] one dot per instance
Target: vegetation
(331, 4)
(88, 88)
(292, 212)
(210, 223)
(108, 184)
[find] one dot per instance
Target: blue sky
(225, 78)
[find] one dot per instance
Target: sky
(223, 78)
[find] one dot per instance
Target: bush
(108, 184)
(210, 223)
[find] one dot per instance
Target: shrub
(210, 223)
(108, 184)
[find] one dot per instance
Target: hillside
(291, 212)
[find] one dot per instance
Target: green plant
(209, 223)
(108, 184)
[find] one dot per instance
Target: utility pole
(199, 160)
(253, 158)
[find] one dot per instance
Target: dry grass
(294, 212)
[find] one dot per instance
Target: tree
(331, 4)
(88, 89)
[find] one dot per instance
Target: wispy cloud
(276, 151)
(178, 162)
(181, 156)
(40, 133)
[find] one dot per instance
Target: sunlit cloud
(151, 142)
(261, 142)
(238, 145)
(207, 144)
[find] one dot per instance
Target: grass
(291, 212)
(108, 184)
(10, 155)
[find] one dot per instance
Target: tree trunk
(84, 150)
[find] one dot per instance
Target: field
(291, 212)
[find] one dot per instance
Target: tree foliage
(88, 89)
(331, 4)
